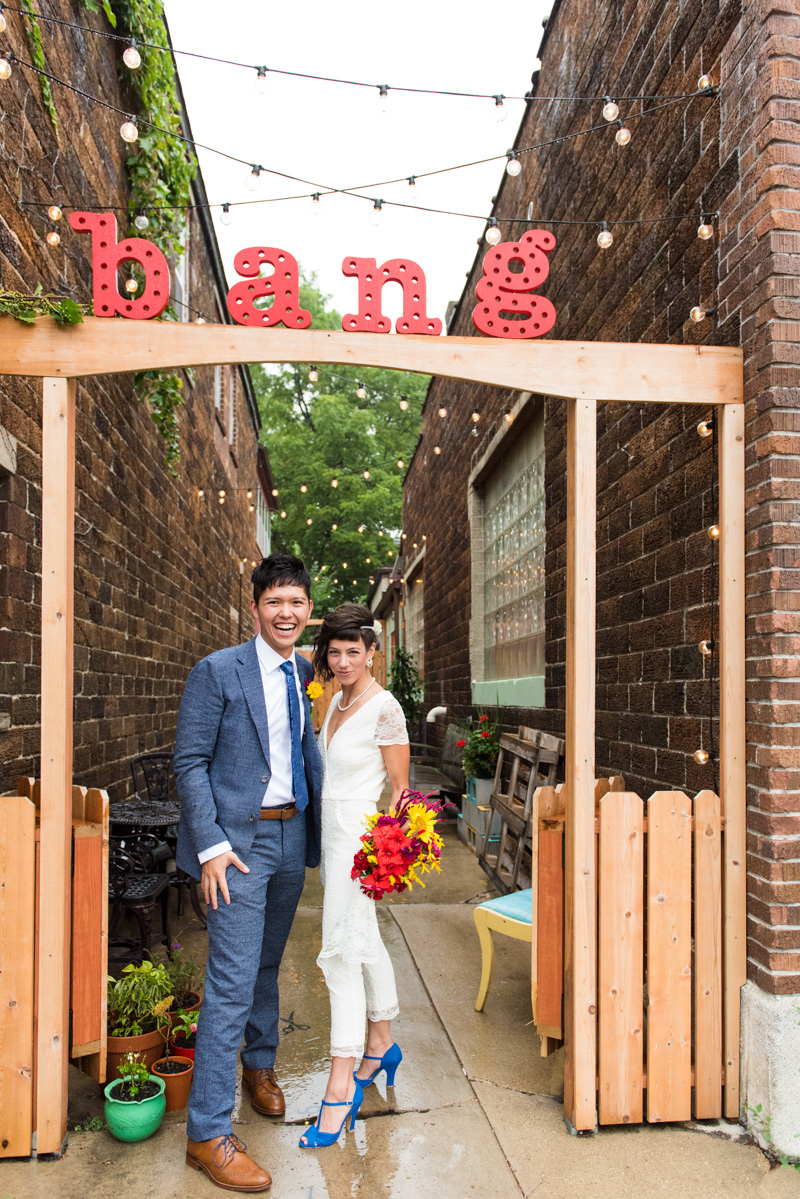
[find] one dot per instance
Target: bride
(363, 742)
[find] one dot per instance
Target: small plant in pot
(135, 1102)
(134, 1000)
(480, 746)
(184, 1029)
(176, 1070)
(185, 975)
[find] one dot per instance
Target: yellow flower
(314, 690)
(423, 822)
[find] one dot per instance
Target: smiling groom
(249, 777)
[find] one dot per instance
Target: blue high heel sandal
(316, 1139)
(389, 1062)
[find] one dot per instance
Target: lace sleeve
(391, 726)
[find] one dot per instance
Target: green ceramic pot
(135, 1120)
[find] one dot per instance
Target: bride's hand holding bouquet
(397, 848)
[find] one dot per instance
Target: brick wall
(157, 583)
(738, 155)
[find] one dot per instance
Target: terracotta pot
(178, 1049)
(176, 1086)
(150, 1045)
(192, 1005)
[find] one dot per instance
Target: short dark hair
(279, 570)
(348, 622)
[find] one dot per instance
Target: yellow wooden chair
(510, 914)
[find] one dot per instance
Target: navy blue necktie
(299, 786)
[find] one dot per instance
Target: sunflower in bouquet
(399, 847)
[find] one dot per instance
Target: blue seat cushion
(516, 906)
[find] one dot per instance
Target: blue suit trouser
(246, 940)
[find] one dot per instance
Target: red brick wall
(739, 155)
(156, 569)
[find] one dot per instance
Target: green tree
(349, 452)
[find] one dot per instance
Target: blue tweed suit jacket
(222, 757)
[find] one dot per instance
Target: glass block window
(513, 528)
(415, 632)
(262, 524)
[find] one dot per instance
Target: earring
(369, 661)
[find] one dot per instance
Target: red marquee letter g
(508, 307)
(107, 257)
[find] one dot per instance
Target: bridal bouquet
(399, 847)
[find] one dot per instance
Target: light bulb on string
(334, 482)
(706, 647)
(361, 391)
(221, 494)
(437, 449)
(623, 135)
(226, 216)
(383, 97)
(513, 166)
(128, 130)
(610, 109)
(5, 68)
(313, 375)
(54, 212)
(53, 238)
(403, 403)
(283, 516)
(412, 184)
(605, 238)
(252, 507)
(443, 412)
(250, 495)
(315, 204)
(303, 488)
(704, 83)
(700, 756)
(366, 474)
(200, 493)
(698, 313)
(261, 82)
(141, 222)
(706, 427)
(334, 527)
(705, 229)
(476, 416)
(508, 417)
(2, 22)
(376, 216)
(714, 532)
(275, 491)
(253, 181)
(493, 234)
(400, 463)
(131, 285)
(500, 110)
(131, 57)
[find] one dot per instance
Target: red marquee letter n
(371, 279)
(107, 257)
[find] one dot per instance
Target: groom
(249, 777)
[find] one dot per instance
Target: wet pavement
(475, 1110)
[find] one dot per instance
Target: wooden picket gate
(661, 977)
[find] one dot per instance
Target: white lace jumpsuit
(353, 958)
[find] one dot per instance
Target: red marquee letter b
(107, 257)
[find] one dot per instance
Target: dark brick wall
(739, 155)
(156, 568)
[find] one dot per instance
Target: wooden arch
(584, 374)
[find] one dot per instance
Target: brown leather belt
(278, 813)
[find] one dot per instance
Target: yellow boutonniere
(314, 690)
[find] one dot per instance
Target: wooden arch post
(583, 373)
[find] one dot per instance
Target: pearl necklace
(344, 707)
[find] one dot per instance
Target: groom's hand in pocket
(213, 876)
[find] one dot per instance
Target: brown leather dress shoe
(225, 1162)
(266, 1096)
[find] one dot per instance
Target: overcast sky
(336, 135)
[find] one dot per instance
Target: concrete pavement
(475, 1110)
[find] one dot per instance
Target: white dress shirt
(279, 788)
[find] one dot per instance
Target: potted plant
(405, 684)
(176, 1070)
(184, 1029)
(185, 975)
(135, 1013)
(480, 747)
(135, 1103)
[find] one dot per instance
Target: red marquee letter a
(371, 278)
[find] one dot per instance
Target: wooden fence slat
(94, 1064)
(550, 934)
(669, 957)
(621, 958)
(88, 962)
(707, 956)
(17, 900)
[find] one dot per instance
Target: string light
(500, 111)
(361, 391)
(508, 417)
(53, 238)
(131, 285)
(200, 493)
(315, 204)
(704, 83)
(261, 82)
(376, 216)
(698, 314)
(274, 490)
(476, 416)
(250, 495)
(128, 130)
(226, 216)
(623, 135)
(253, 181)
(705, 229)
(437, 449)
(412, 184)
(200, 320)
(313, 375)
(5, 68)
(706, 427)
(283, 516)
(443, 412)
(400, 463)
(493, 234)
(383, 97)
(303, 488)
(334, 527)
(403, 403)
(131, 57)
(605, 238)
(366, 474)
(54, 212)
(713, 532)
(513, 165)
(610, 109)
(141, 222)
(221, 494)
(334, 482)
(706, 648)
(700, 756)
